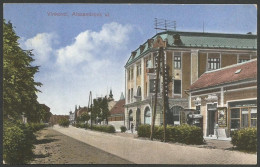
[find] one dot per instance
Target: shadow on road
(41, 155)
(45, 141)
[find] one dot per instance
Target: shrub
(82, 125)
(245, 139)
(18, 140)
(64, 122)
(144, 130)
(123, 129)
(104, 128)
(37, 126)
(183, 134)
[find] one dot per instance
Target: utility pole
(156, 90)
(163, 94)
(90, 103)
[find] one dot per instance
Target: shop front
(228, 103)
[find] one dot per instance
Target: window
(129, 74)
(235, 118)
(198, 109)
(243, 117)
(213, 63)
(253, 117)
(177, 60)
(138, 70)
(177, 86)
(132, 92)
(139, 91)
(132, 73)
(128, 95)
(130, 115)
(242, 60)
(147, 116)
(176, 115)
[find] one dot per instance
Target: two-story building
(188, 55)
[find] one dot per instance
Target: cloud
(94, 48)
(42, 45)
(94, 61)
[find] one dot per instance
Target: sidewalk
(155, 152)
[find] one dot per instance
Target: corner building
(188, 55)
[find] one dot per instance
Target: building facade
(188, 55)
(227, 98)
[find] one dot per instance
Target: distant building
(116, 117)
(55, 118)
(226, 97)
(71, 117)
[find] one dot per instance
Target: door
(212, 112)
(211, 121)
(138, 118)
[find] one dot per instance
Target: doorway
(138, 118)
(212, 117)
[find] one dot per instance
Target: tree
(19, 87)
(100, 109)
(84, 117)
(105, 110)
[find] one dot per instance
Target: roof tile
(248, 70)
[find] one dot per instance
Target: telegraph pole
(156, 89)
(90, 103)
(163, 95)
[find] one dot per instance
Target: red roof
(118, 107)
(227, 75)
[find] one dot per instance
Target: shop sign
(222, 116)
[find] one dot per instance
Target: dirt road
(56, 148)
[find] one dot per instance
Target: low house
(71, 117)
(116, 117)
(227, 98)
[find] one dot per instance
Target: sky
(78, 54)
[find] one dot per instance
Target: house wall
(228, 59)
(239, 92)
(186, 73)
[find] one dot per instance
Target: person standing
(132, 127)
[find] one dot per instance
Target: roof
(118, 107)
(201, 40)
(229, 74)
(81, 111)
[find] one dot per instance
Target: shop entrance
(212, 115)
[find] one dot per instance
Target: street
(141, 151)
(53, 147)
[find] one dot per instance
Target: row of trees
(99, 113)
(19, 87)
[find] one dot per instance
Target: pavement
(143, 151)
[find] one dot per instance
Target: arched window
(139, 91)
(128, 95)
(147, 116)
(130, 115)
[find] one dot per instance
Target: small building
(227, 98)
(116, 117)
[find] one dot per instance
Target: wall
(202, 63)
(116, 124)
(186, 73)
(228, 59)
